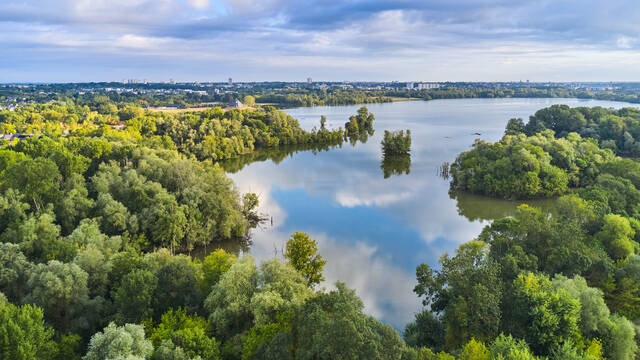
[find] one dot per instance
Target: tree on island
(360, 123)
(396, 142)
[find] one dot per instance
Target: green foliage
(506, 347)
(534, 241)
(133, 298)
(217, 135)
(155, 196)
(618, 338)
(214, 266)
(528, 167)
(173, 321)
(332, 326)
(468, 290)
(61, 291)
(593, 310)
(169, 351)
(23, 333)
(543, 316)
(119, 342)
(77, 212)
(229, 301)
(425, 331)
(396, 143)
(259, 336)
(614, 129)
(177, 286)
(302, 253)
(14, 272)
(39, 239)
(474, 350)
(196, 343)
(362, 123)
(616, 235)
(68, 347)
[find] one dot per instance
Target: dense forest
(573, 263)
(617, 130)
(100, 205)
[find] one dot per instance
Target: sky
(289, 40)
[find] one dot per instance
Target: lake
(373, 231)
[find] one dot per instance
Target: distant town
(15, 95)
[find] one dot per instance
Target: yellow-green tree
(302, 253)
(249, 100)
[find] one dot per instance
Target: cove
(373, 231)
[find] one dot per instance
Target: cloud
(200, 4)
(385, 289)
(336, 40)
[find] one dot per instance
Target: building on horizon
(426, 85)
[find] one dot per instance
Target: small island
(396, 142)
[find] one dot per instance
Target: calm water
(372, 230)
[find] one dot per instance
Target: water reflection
(276, 155)
(395, 165)
(372, 230)
(475, 207)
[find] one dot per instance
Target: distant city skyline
(371, 40)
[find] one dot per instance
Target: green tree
(474, 350)
(39, 239)
(169, 351)
(249, 100)
(616, 235)
(213, 267)
(302, 253)
(195, 343)
(506, 347)
(333, 326)
(14, 272)
(544, 317)
(177, 286)
(280, 289)
(468, 291)
(23, 333)
(173, 321)
(119, 342)
(593, 310)
(515, 126)
(396, 143)
(425, 331)
(618, 338)
(133, 297)
(38, 179)
(60, 290)
(68, 347)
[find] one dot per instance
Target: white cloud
(352, 40)
(385, 290)
(624, 42)
(200, 4)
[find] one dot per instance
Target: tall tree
(23, 333)
(302, 253)
(119, 342)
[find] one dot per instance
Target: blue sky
(211, 40)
